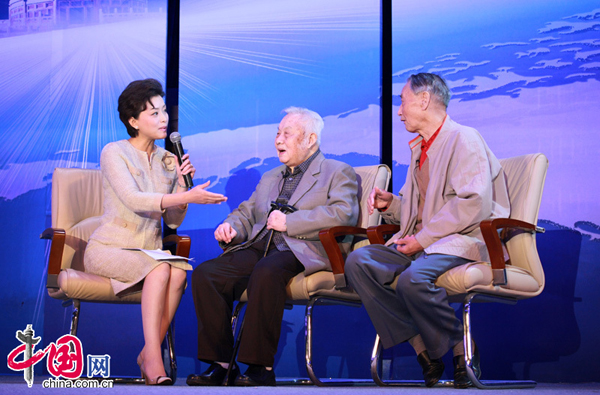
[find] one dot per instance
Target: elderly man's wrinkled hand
(379, 199)
(277, 221)
(225, 233)
(408, 245)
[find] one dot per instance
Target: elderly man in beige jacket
(453, 183)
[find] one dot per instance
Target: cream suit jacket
(466, 186)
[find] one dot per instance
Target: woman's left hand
(185, 168)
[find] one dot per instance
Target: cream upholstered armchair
(77, 205)
(324, 286)
(519, 277)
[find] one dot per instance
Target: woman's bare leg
(154, 294)
(175, 288)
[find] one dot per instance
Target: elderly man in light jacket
(453, 183)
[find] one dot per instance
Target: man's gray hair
(313, 123)
(432, 83)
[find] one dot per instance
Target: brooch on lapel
(168, 161)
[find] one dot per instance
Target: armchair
(500, 280)
(77, 199)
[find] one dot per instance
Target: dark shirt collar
(302, 167)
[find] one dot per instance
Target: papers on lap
(160, 255)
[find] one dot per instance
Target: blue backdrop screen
(525, 74)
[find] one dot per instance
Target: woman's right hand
(200, 195)
(185, 168)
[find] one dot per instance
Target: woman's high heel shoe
(160, 380)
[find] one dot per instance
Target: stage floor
(15, 384)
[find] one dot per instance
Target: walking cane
(284, 208)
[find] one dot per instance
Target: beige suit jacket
(466, 186)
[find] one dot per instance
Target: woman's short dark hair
(135, 98)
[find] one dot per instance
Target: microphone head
(175, 137)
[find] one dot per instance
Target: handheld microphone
(178, 148)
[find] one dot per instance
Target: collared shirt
(291, 180)
(424, 148)
(426, 144)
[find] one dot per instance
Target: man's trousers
(416, 306)
(217, 283)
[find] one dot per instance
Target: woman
(143, 184)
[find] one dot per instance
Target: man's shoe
(214, 375)
(461, 378)
(255, 376)
(432, 368)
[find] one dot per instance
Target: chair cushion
(320, 283)
(477, 276)
(91, 288)
(301, 288)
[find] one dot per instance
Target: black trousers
(217, 283)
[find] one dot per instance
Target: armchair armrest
(57, 236)
(182, 243)
(334, 253)
(493, 242)
(376, 234)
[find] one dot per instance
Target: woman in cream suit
(143, 183)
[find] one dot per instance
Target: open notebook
(160, 255)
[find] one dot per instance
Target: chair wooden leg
(487, 384)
